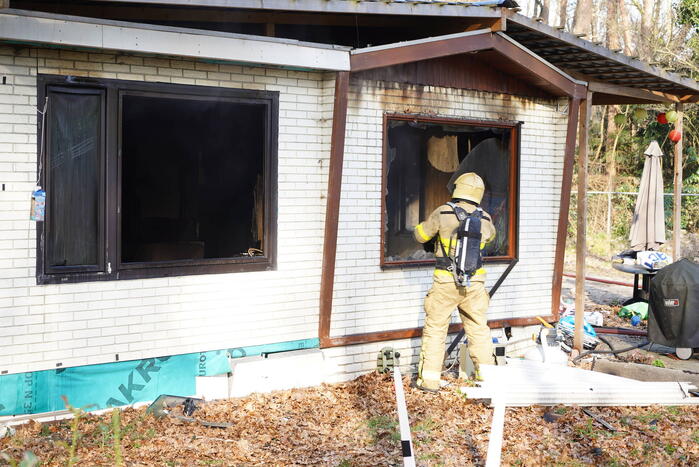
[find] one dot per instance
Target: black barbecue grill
(674, 308)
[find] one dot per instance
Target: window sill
(431, 263)
(156, 272)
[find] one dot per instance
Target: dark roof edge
(342, 6)
(157, 27)
(602, 51)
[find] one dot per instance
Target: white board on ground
(527, 383)
(284, 370)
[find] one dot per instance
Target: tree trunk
(563, 13)
(612, 23)
(646, 35)
(545, 9)
(623, 16)
(582, 22)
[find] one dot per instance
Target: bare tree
(563, 12)
(582, 21)
(625, 26)
(544, 13)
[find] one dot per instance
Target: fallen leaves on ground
(355, 424)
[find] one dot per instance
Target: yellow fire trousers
(441, 300)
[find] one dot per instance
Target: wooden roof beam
(543, 69)
(456, 44)
(597, 68)
(610, 94)
(624, 91)
(423, 49)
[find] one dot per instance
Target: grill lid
(674, 305)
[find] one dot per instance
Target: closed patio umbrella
(648, 225)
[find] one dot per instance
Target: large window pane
(73, 192)
(423, 157)
(192, 178)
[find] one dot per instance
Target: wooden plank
(332, 208)
(677, 207)
(580, 244)
(607, 88)
(497, 430)
(382, 336)
(413, 51)
(564, 204)
(472, 71)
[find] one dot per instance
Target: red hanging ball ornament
(675, 136)
(662, 119)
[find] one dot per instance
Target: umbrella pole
(677, 209)
(580, 245)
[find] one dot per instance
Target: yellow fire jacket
(442, 221)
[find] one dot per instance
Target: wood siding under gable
(459, 72)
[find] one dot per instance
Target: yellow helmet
(469, 186)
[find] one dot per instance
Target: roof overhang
(447, 9)
(542, 73)
(71, 31)
(617, 78)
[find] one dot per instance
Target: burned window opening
(152, 180)
(191, 178)
(423, 157)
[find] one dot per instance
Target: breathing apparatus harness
(467, 258)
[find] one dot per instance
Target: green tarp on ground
(121, 383)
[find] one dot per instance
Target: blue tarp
(121, 383)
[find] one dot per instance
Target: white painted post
(406, 442)
(497, 429)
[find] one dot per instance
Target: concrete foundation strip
(405, 438)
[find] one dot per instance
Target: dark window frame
(110, 191)
(514, 186)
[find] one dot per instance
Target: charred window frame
(105, 161)
(398, 219)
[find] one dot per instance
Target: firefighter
(445, 295)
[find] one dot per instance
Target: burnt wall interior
(192, 178)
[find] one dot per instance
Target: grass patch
(649, 418)
(588, 430)
(381, 426)
(425, 426)
(659, 363)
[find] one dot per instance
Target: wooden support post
(564, 205)
(580, 245)
(677, 208)
(332, 209)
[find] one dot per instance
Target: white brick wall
(368, 299)
(77, 324)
